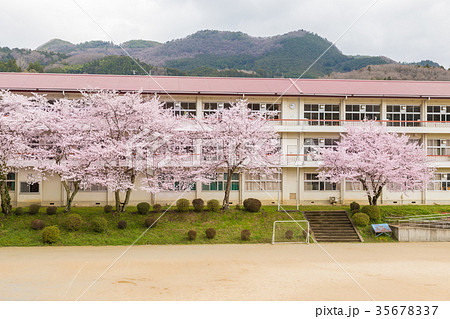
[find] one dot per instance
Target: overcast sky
(404, 30)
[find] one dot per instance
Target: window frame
(317, 114)
(312, 183)
(220, 181)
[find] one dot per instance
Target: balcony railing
(390, 123)
(304, 159)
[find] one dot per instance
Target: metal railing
(330, 122)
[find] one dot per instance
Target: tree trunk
(117, 198)
(5, 198)
(373, 199)
(226, 200)
(70, 196)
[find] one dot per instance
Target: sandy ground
(394, 271)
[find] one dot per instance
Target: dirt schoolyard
(386, 271)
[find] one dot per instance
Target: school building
(307, 113)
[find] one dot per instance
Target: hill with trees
(204, 53)
(418, 72)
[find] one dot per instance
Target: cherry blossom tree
(375, 157)
(63, 146)
(129, 135)
(17, 131)
(237, 140)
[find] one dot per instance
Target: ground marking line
(128, 248)
(73, 280)
(123, 49)
(320, 246)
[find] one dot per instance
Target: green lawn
(172, 228)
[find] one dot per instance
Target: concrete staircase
(332, 226)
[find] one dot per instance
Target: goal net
(291, 232)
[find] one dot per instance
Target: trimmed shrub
(37, 224)
(143, 208)
(148, 222)
(51, 210)
(361, 219)
(122, 224)
(372, 211)
(354, 207)
(50, 234)
(73, 222)
(252, 205)
(210, 233)
(18, 211)
(34, 209)
(157, 208)
(107, 209)
(245, 234)
(213, 205)
(99, 225)
(289, 234)
(238, 207)
(192, 234)
(183, 205)
(198, 204)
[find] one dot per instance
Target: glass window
(312, 183)
(322, 114)
(403, 115)
(271, 111)
(262, 182)
(220, 181)
(353, 186)
(11, 182)
(29, 188)
(440, 182)
(438, 113)
(438, 147)
(91, 188)
(357, 112)
(212, 107)
(182, 108)
(312, 144)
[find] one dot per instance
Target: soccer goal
(290, 232)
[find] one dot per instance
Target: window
(11, 182)
(438, 147)
(261, 182)
(91, 188)
(312, 144)
(312, 183)
(438, 113)
(212, 107)
(354, 186)
(211, 151)
(272, 111)
(357, 112)
(320, 113)
(167, 182)
(220, 183)
(403, 115)
(29, 188)
(182, 108)
(440, 182)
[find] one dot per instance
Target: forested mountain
(418, 72)
(205, 53)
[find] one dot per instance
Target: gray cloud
(404, 30)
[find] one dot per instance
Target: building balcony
(327, 125)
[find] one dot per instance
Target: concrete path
(394, 271)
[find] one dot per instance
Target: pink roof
(223, 86)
